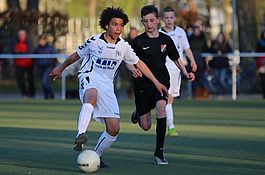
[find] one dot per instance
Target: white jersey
(179, 37)
(102, 59)
(100, 63)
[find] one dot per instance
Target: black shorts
(146, 97)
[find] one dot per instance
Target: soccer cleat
(134, 117)
(102, 164)
(80, 140)
(160, 161)
(172, 133)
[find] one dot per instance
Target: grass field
(216, 138)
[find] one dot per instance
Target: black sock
(161, 125)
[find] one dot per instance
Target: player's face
(114, 28)
(169, 19)
(150, 22)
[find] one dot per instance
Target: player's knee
(145, 126)
(161, 112)
(113, 131)
(91, 96)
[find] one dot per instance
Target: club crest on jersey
(118, 53)
(163, 47)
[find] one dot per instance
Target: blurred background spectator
(24, 66)
(45, 66)
(198, 44)
(131, 35)
(219, 65)
(261, 62)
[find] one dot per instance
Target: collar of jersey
(166, 31)
(103, 38)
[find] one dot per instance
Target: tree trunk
(246, 13)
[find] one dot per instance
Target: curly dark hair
(109, 13)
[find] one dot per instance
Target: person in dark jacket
(45, 65)
(219, 65)
(24, 66)
(198, 45)
(261, 62)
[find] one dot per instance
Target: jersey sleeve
(185, 41)
(83, 49)
(173, 53)
(130, 56)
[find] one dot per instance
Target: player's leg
(142, 115)
(145, 121)
(84, 118)
(160, 132)
(108, 137)
(175, 80)
(169, 114)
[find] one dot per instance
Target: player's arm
(174, 56)
(190, 56)
(57, 71)
(135, 71)
(146, 71)
(182, 67)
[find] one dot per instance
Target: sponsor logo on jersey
(163, 47)
(104, 63)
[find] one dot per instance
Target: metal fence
(39, 56)
(234, 58)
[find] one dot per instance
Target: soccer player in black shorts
(152, 47)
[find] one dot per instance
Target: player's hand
(136, 73)
(193, 67)
(161, 89)
(190, 76)
(56, 72)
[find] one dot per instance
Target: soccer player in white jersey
(102, 54)
(179, 37)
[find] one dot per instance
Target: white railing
(39, 56)
(234, 57)
(235, 60)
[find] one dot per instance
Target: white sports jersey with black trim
(101, 59)
(179, 37)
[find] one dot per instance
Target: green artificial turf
(216, 138)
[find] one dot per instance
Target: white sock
(169, 114)
(104, 142)
(84, 118)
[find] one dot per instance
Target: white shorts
(107, 104)
(175, 80)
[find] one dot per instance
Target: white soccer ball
(88, 161)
